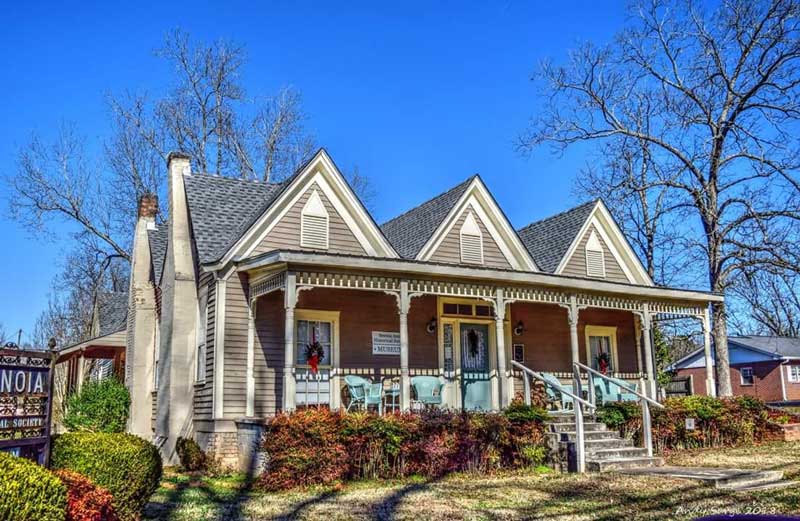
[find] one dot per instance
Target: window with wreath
(314, 339)
(601, 348)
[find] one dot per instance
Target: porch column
(290, 301)
(711, 388)
(404, 303)
(648, 351)
(500, 342)
(572, 315)
(250, 375)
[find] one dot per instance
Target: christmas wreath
(314, 354)
(603, 362)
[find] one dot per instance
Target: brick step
(568, 427)
(600, 465)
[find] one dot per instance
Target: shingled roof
(222, 208)
(112, 311)
(410, 231)
(549, 239)
(158, 239)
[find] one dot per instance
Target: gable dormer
(476, 232)
(599, 250)
(315, 210)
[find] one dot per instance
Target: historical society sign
(25, 402)
(385, 343)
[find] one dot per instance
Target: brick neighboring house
(766, 367)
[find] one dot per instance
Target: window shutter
(471, 241)
(595, 257)
(314, 225)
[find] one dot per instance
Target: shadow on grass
(223, 505)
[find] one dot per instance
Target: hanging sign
(25, 402)
(385, 343)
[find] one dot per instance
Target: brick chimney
(148, 206)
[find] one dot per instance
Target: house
(767, 367)
(227, 297)
(103, 353)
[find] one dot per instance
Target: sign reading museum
(385, 343)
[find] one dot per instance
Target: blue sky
(418, 95)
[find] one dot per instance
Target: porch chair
(364, 393)
(611, 391)
(562, 401)
(428, 390)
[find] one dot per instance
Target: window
(467, 310)
(794, 373)
(311, 331)
(314, 224)
(471, 241)
(746, 375)
(156, 349)
(601, 348)
(200, 335)
(595, 257)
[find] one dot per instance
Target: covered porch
(462, 333)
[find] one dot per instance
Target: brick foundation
(235, 445)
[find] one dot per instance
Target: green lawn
(528, 495)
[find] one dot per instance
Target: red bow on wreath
(314, 354)
(603, 362)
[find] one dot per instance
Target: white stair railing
(578, 403)
(644, 401)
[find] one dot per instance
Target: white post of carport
(711, 388)
(81, 371)
(290, 301)
(403, 305)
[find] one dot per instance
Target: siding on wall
(203, 393)
(268, 360)
(449, 250)
(235, 388)
(286, 233)
(546, 336)
(576, 266)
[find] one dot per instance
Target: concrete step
(600, 465)
(722, 478)
(567, 427)
(609, 443)
(568, 418)
(749, 479)
(616, 453)
(589, 435)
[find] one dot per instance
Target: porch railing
(578, 404)
(644, 401)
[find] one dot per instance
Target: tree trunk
(720, 331)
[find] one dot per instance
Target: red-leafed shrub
(317, 446)
(85, 500)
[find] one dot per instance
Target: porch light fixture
(519, 328)
(431, 327)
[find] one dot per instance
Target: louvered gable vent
(471, 241)
(314, 224)
(595, 257)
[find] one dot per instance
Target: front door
(476, 387)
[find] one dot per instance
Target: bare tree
(722, 91)
(770, 302)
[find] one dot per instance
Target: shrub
(100, 406)
(28, 491)
(190, 455)
(85, 500)
(718, 421)
(317, 446)
(128, 466)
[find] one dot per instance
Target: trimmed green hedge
(128, 466)
(28, 491)
(100, 406)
